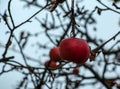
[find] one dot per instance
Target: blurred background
(36, 43)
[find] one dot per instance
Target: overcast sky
(107, 27)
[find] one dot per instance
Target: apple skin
(75, 71)
(74, 49)
(50, 64)
(54, 54)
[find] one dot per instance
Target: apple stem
(72, 34)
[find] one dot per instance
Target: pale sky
(107, 27)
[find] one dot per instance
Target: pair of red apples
(71, 49)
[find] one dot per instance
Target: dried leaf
(110, 82)
(8, 43)
(99, 11)
(92, 55)
(55, 4)
(21, 36)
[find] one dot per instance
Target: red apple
(75, 71)
(54, 54)
(75, 50)
(50, 64)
